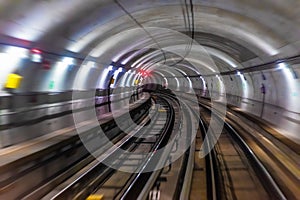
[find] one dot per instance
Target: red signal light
(144, 73)
(46, 64)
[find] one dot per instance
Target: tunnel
(221, 77)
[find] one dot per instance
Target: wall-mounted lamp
(36, 55)
(110, 68)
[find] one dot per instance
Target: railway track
(169, 182)
(175, 181)
(240, 169)
(236, 168)
(88, 175)
(237, 178)
(97, 174)
(54, 157)
(279, 159)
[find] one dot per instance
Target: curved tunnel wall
(278, 104)
(235, 34)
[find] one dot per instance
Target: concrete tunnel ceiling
(236, 34)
